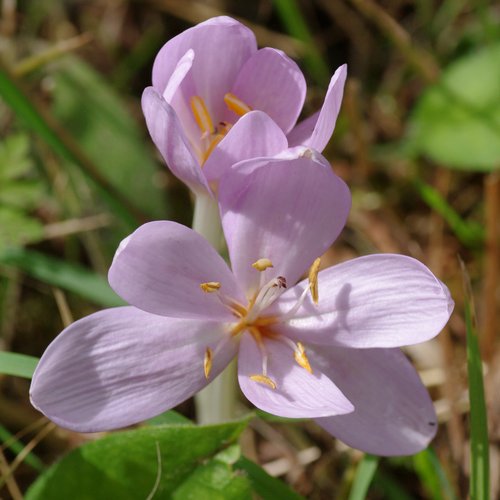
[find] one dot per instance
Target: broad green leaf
(92, 111)
(457, 121)
(21, 193)
(19, 365)
(131, 465)
(266, 486)
(363, 477)
(14, 156)
(214, 480)
(479, 444)
(17, 228)
(71, 277)
(170, 417)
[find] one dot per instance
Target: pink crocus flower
(325, 348)
(216, 100)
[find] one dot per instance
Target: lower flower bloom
(324, 348)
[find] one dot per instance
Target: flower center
(252, 319)
(211, 135)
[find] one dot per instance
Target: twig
(62, 305)
(8, 479)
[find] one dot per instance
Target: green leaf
(432, 476)
(457, 121)
(21, 194)
(108, 133)
(19, 365)
(363, 477)
(479, 444)
(170, 417)
(17, 228)
(266, 486)
(42, 123)
(135, 464)
(65, 275)
(14, 156)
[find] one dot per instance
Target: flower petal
(253, 135)
(272, 82)
(286, 210)
(170, 139)
(393, 413)
(221, 46)
(298, 393)
(121, 366)
(316, 131)
(374, 301)
(159, 269)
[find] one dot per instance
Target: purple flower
(324, 348)
(217, 100)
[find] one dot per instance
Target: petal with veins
(287, 210)
(393, 413)
(272, 82)
(298, 393)
(316, 130)
(380, 300)
(253, 135)
(159, 268)
(120, 366)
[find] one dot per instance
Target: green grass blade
(290, 15)
(363, 477)
(16, 447)
(18, 365)
(432, 476)
(43, 124)
(469, 233)
(479, 452)
(65, 275)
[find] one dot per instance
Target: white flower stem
(216, 403)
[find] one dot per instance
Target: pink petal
(221, 46)
(253, 135)
(298, 393)
(159, 269)
(316, 131)
(393, 413)
(169, 137)
(374, 301)
(272, 82)
(121, 366)
(286, 210)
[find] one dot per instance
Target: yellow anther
(263, 379)
(313, 280)
(210, 287)
(201, 115)
(207, 362)
(236, 105)
(262, 264)
(301, 358)
(215, 140)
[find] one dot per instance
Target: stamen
(215, 140)
(207, 362)
(210, 287)
(236, 105)
(262, 264)
(313, 280)
(201, 115)
(264, 379)
(224, 127)
(301, 358)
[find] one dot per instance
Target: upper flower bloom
(216, 100)
(323, 348)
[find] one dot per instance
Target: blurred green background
(418, 142)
